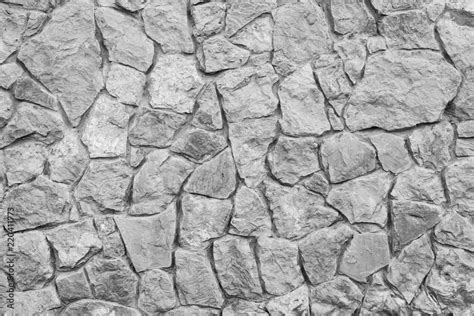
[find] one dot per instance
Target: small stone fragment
(331, 77)
(302, 105)
(196, 281)
(464, 147)
(293, 303)
(112, 246)
(455, 230)
(408, 30)
(71, 74)
(199, 145)
(240, 14)
(174, 83)
(463, 102)
(126, 84)
(353, 54)
(73, 286)
(137, 155)
(366, 254)
(166, 22)
(124, 38)
(430, 145)
(215, 178)
(158, 182)
(363, 200)
(459, 177)
(345, 157)
(91, 307)
(208, 115)
(250, 140)
(296, 211)
(42, 5)
(317, 183)
(412, 219)
(35, 22)
(293, 158)
(384, 98)
(153, 246)
(67, 159)
(295, 44)
(391, 152)
(208, 19)
(320, 251)
(247, 92)
(376, 44)
(73, 243)
(220, 54)
(352, 17)
(203, 219)
(335, 121)
(242, 307)
(13, 24)
(41, 301)
(340, 295)
(236, 267)
(38, 203)
(256, 36)
(154, 128)
(419, 184)
(9, 73)
(105, 133)
(279, 267)
(112, 280)
(24, 161)
(29, 90)
(465, 129)
(32, 255)
(407, 271)
(250, 217)
(156, 291)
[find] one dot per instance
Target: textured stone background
(247, 157)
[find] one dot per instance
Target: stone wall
(239, 157)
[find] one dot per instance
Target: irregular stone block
(464, 147)
(198, 145)
(90, 307)
(391, 151)
(459, 177)
(13, 24)
(73, 286)
(352, 17)
(293, 303)
(43, 300)
(256, 36)
(317, 183)
(331, 77)
(126, 84)
(29, 90)
(239, 307)
(208, 19)
(156, 291)
(239, 13)
(220, 54)
(9, 73)
(340, 295)
(463, 102)
(455, 230)
(353, 53)
(24, 161)
(208, 115)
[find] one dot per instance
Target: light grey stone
(464, 147)
(320, 252)
(278, 263)
(256, 36)
(363, 199)
(386, 7)
(465, 129)
(247, 92)
(29, 90)
(250, 216)
(29, 120)
(459, 177)
(91, 307)
(71, 74)
(293, 158)
(376, 44)
(112, 246)
(408, 30)
(240, 14)
(73, 243)
(35, 23)
(153, 246)
(174, 83)
(166, 22)
(236, 267)
(331, 77)
(302, 104)
(9, 73)
(296, 211)
(156, 291)
(455, 230)
(198, 145)
(317, 183)
(158, 181)
(407, 271)
(137, 156)
(155, 128)
(13, 24)
(42, 5)
(293, 303)
(132, 5)
(220, 54)
(193, 310)
(208, 115)
(105, 132)
(391, 151)
(295, 44)
(203, 219)
(345, 156)
(112, 280)
(463, 102)
(464, 6)
(419, 184)
(250, 141)
(41, 301)
(215, 178)
(353, 54)
(125, 83)
(335, 121)
(124, 38)
(239, 307)
(430, 145)
(73, 286)
(196, 281)
(412, 219)
(352, 17)
(340, 295)
(208, 19)
(38, 203)
(384, 98)
(24, 161)
(425, 303)
(93, 193)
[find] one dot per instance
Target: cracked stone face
(237, 157)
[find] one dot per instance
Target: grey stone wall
(239, 157)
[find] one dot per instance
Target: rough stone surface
(156, 291)
(241, 13)
(6, 107)
(198, 145)
(455, 230)
(459, 177)
(9, 73)
(317, 183)
(126, 84)
(43, 300)
(24, 161)
(29, 90)
(73, 286)
(331, 77)
(353, 53)
(293, 303)
(391, 151)
(239, 307)
(208, 19)
(256, 36)
(340, 295)
(208, 115)
(220, 54)
(351, 17)
(89, 307)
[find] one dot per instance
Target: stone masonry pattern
(237, 157)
